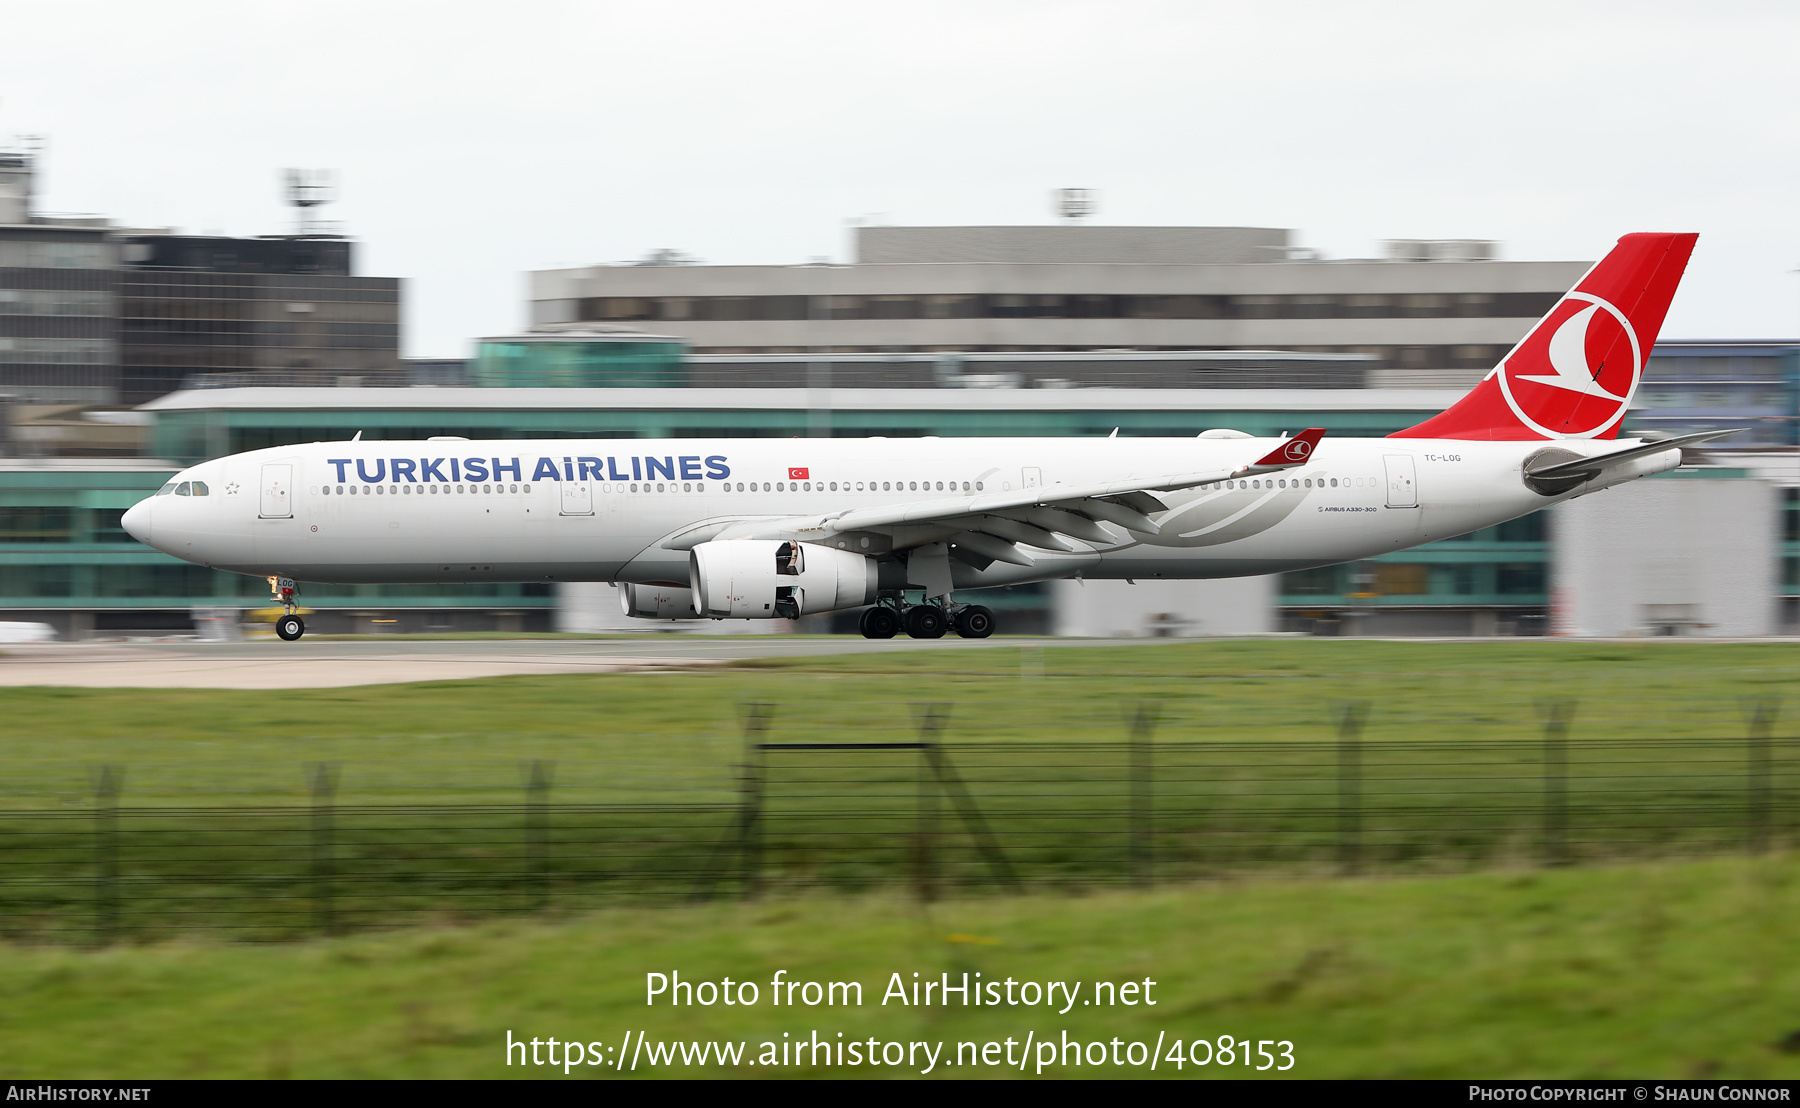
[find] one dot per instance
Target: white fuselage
(613, 510)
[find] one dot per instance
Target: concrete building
(1692, 552)
(1495, 581)
(1053, 331)
(1164, 609)
(93, 314)
(981, 290)
(58, 298)
(1709, 386)
(280, 309)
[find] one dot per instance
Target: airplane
(777, 529)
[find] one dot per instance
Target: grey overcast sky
(477, 141)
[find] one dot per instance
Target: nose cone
(136, 521)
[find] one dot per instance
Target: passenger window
(200, 488)
(184, 489)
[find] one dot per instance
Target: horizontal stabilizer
(1580, 467)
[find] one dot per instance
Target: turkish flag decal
(799, 473)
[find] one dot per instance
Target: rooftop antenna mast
(307, 189)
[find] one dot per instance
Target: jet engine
(771, 579)
(656, 601)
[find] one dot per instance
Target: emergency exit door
(1402, 481)
(277, 491)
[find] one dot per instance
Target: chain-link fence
(938, 817)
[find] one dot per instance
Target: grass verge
(1652, 970)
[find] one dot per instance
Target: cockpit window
(200, 488)
(184, 489)
(166, 489)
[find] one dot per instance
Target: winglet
(1296, 451)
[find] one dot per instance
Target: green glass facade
(570, 363)
(1507, 566)
(65, 558)
(62, 550)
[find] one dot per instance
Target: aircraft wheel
(925, 621)
(975, 622)
(880, 623)
(290, 628)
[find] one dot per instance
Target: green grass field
(639, 733)
(1653, 970)
(430, 814)
(1663, 952)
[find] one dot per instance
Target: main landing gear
(290, 626)
(926, 621)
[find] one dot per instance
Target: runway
(326, 664)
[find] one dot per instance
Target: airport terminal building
(1050, 331)
(1428, 314)
(63, 557)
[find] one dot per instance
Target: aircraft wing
(1587, 467)
(994, 524)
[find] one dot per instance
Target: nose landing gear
(290, 626)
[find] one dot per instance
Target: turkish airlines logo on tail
(1297, 451)
(1573, 376)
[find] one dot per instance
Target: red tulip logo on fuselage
(1573, 376)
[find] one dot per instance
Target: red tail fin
(1573, 375)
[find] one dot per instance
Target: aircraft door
(277, 491)
(1402, 481)
(578, 497)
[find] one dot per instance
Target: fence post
(1760, 715)
(537, 832)
(1141, 837)
(323, 778)
(756, 717)
(108, 780)
(929, 719)
(1556, 715)
(1349, 769)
